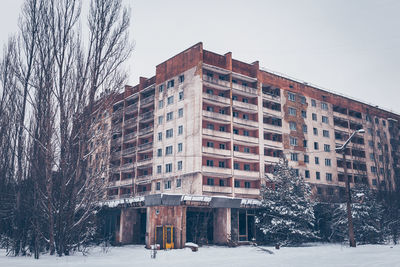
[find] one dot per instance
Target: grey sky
(352, 47)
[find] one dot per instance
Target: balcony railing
(147, 115)
(215, 133)
(146, 130)
(212, 169)
(217, 189)
(144, 176)
(247, 191)
(245, 122)
(130, 122)
(145, 146)
(215, 115)
(144, 161)
(147, 100)
(129, 151)
(127, 167)
(246, 155)
(245, 105)
(217, 98)
(116, 141)
(117, 113)
(131, 108)
(245, 89)
(243, 173)
(216, 151)
(216, 81)
(130, 136)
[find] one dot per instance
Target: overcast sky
(351, 47)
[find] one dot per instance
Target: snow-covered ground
(318, 255)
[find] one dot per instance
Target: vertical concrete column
(128, 219)
(222, 225)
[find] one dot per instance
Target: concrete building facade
(190, 147)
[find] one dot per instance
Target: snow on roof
(115, 202)
(249, 201)
(196, 198)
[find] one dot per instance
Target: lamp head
(361, 131)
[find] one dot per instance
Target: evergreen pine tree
(287, 215)
(367, 217)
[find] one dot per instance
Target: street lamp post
(342, 149)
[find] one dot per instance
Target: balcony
(217, 134)
(146, 101)
(127, 167)
(216, 151)
(116, 154)
(146, 116)
(130, 122)
(242, 173)
(209, 169)
(275, 98)
(217, 189)
(116, 128)
(116, 141)
(271, 143)
(144, 162)
(246, 139)
(273, 112)
(216, 116)
(146, 130)
(244, 105)
(247, 191)
(130, 109)
(130, 136)
(216, 98)
(117, 113)
(145, 146)
(245, 122)
(246, 155)
(271, 159)
(144, 178)
(273, 127)
(212, 81)
(244, 89)
(129, 151)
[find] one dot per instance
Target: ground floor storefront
(172, 220)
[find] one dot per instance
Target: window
(167, 185)
(234, 97)
(211, 109)
(304, 114)
(221, 111)
(374, 182)
(237, 183)
(325, 133)
(294, 156)
(292, 111)
(210, 181)
(168, 167)
(371, 143)
(169, 133)
(210, 126)
(178, 183)
(180, 129)
(160, 104)
(221, 164)
(221, 182)
(235, 131)
(324, 106)
(180, 147)
(316, 160)
(170, 83)
(209, 91)
(315, 131)
(180, 165)
(221, 146)
(222, 128)
(246, 150)
(235, 114)
(170, 100)
(246, 167)
(371, 156)
(159, 169)
(181, 78)
(373, 169)
(293, 141)
(306, 159)
(160, 119)
(180, 95)
(168, 150)
(307, 174)
(161, 88)
(247, 184)
(245, 116)
(305, 143)
(158, 186)
(180, 113)
(316, 146)
(304, 128)
(303, 99)
(292, 126)
(159, 136)
(328, 162)
(170, 115)
(236, 166)
(325, 119)
(159, 152)
(314, 117)
(318, 175)
(329, 177)
(245, 100)
(235, 148)
(292, 96)
(313, 103)
(210, 163)
(327, 148)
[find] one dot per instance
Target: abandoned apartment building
(188, 149)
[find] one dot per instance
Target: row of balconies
(226, 152)
(229, 190)
(228, 171)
